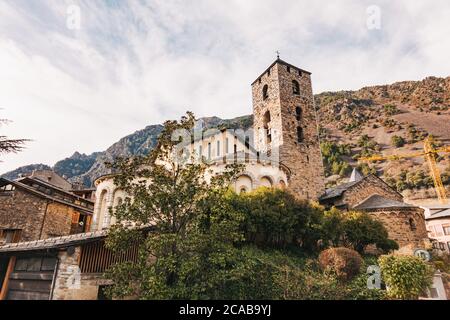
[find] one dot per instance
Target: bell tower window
(295, 87)
(267, 127)
(299, 134)
(265, 92)
(298, 113)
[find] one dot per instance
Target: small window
(299, 134)
(288, 69)
(226, 146)
(247, 142)
(295, 87)
(412, 224)
(209, 150)
(446, 230)
(300, 73)
(243, 190)
(442, 246)
(218, 148)
(265, 92)
(298, 113)
(200, 152)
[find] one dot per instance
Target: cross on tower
(278, 54)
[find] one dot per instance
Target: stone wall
(70, 283)
(397, 223)
(58, 220)
(303, 158)
(24, 211)
(370, 186)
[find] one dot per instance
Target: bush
(406, 277)
(343, 262)
(398, 141)
(275, 218)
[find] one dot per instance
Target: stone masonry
(302, 157)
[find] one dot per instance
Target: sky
(79, 75)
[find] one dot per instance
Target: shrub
(275, 218)
(398, 141)
(343, 262)
(406, 277)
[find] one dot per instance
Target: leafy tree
(406, 277)
(190, 251)
(274, 217)
(355, 230)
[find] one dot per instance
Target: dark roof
(280, 62)
(378, 202)
(54, 243)
(338, 190)
(19, 184)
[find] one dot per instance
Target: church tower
(285, 126)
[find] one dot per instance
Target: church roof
(379, 202)
(338, 190)
(283, 63)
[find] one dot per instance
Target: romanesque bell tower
(285, 126)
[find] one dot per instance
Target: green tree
(274, 217)
(406, 277)
(190, 251)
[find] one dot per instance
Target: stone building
(282, 150)
(404, 222)
(62, 268)
(34, 208)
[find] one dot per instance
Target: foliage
(274, 217)
(368, 146)
(406, 277)
(343, 262)
(355, 230)
(8, 145)
(333, 154)
(391, 110)
(190, 251)
(398, 141)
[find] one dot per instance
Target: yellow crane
(429, 153)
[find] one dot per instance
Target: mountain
(386, 119)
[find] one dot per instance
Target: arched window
(298, 113)
(265, 92)
(242, 190)
(412, 224)
(266, 122)
(299, 134)
(295, 87)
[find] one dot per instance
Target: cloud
(135, 63)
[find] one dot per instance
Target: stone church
(283, 150)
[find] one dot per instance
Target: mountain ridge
(392, 118)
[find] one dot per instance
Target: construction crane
(429, 153)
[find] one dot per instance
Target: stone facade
(367, 187)
(22, 211)
(38, 217)
(285, 122)
(409, 234)
(70, 283)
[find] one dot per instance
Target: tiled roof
(338, 190)
(379, 202)
(53, 243)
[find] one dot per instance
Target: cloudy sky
(135, 63)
